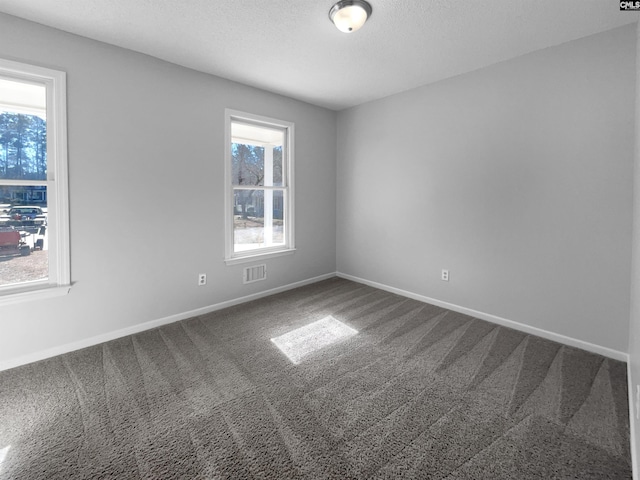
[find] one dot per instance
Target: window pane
(23, 234)
(258, 219)
(247, 164)
(256, 155)
(252, 165)
(23, 131)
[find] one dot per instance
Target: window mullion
(267, 213)
(23, 183)
(258, 187)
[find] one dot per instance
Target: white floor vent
(254, 273)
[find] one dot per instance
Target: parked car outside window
(26, 213)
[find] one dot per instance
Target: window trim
(232, 257)
(59, 279)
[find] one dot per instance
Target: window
(34, 233)
(259, 187)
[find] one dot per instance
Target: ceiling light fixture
(349, 15)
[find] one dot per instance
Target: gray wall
(517, 178)
(146, 148)
(634, 326)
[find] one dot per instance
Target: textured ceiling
(291, 47)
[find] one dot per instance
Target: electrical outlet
(445, 275)
(202, 279)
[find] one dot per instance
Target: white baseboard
(105, 337)
(556, 337)
(632, 424)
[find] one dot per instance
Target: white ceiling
(291, 47)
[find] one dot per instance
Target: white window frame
(59, 279)
(232, 257)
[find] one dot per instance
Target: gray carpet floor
(419, 392)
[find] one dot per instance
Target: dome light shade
(349, 15)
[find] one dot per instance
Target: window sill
(258, 256)
(31, 294)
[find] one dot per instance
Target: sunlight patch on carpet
(302, 341)
(3, 454)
